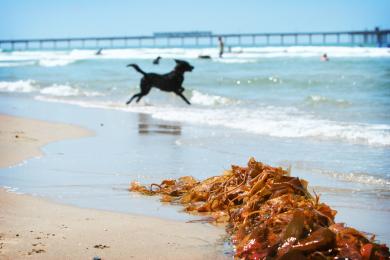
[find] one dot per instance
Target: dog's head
(183, 66)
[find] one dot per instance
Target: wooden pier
(377, 38)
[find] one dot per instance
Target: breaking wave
(318, 100)
(16, 63)
(360, 178)
(265, 120)
(241, 55)
(209, 100)
(31, 86)
(20, 86)
(67, 91)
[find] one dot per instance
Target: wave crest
(241, 55)
(266, 120)
(55, 62)
(16, 63)
(58, 90)
(361, 178)
(318, 100)
(20, 86)
(67, 91)
(208, 100)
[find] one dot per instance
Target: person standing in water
(221, 46)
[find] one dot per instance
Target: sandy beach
(21, 138)
(39, 229)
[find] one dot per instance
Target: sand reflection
(147, 125)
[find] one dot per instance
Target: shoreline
(22, 138)
(40, 229)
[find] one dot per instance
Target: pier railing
(377, 37)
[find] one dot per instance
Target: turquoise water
(329, 120)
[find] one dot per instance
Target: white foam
(54, 59)
(47, 58)
(17, 64)
(285, 122)
(317, 99)
(60, 90)
(81, 103)
(359, 178)
(150, 53)
(209, 100)
(67, 91)
(314, 51)
(351, 177)
(10, 189)
(236, 60)
(246, 54)
(55, 62)
(20, 86)
(241, 55)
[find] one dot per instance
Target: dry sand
(34, 228)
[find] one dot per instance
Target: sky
(82, 18)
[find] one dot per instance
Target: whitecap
(208, 100)
(17, 64)
(318, 99)
(284, 122)
(243, 55)
(60, 90)
(67, 91)
(20, 86)
(55, 62)
(362, 178)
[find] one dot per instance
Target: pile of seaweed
(269, 214)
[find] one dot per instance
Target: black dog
(170, 82)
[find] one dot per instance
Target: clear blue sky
(62, 18)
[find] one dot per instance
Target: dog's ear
(178, 61)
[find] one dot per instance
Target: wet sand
(39, 229)
(21, 138)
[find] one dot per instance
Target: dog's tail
(137, 68)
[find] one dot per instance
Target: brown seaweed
(269, 214)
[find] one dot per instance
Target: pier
(376, 37)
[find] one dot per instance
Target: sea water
(329, 121)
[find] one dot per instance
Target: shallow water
(329, 120)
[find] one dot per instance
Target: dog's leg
(145, 88)
(183, 97)
(139, 97)
(131, 99)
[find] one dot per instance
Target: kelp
(269, 214)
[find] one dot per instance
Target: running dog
(170, 82)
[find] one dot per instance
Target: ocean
(328, 121)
